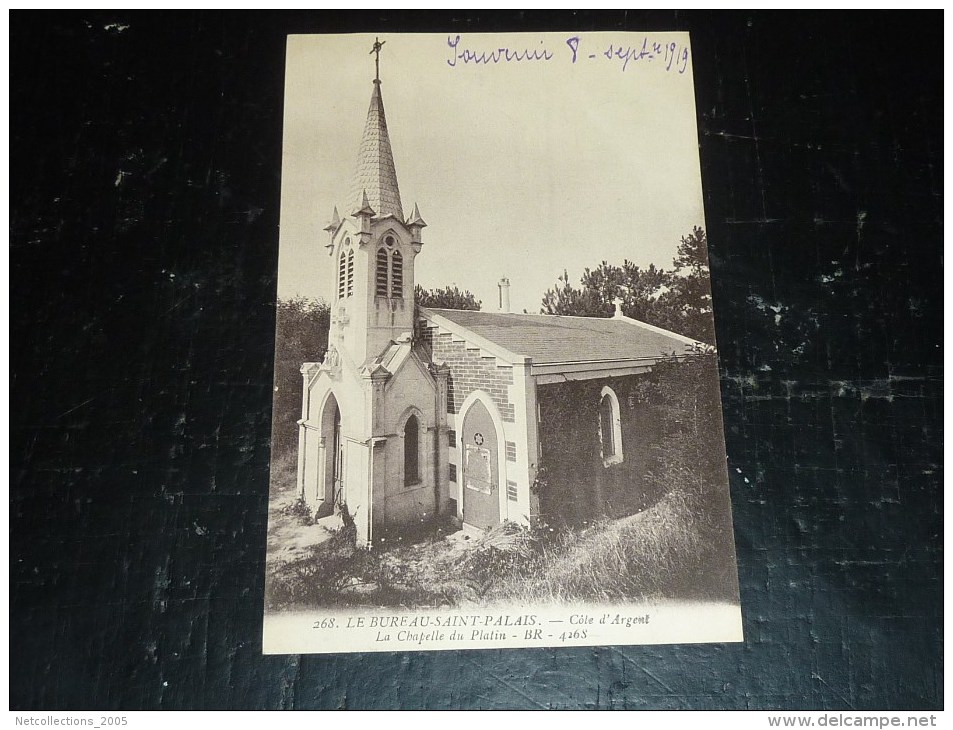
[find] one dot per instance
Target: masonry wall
(470, 371)
(398, 504)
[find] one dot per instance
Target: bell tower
(373, 248)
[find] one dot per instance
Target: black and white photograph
(476, 360)
(496, 386)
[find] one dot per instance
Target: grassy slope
(664, 552)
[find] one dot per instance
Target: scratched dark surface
(145, 167)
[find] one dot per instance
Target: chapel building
(453, 414)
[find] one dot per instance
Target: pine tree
(446, 298)
(678, 300)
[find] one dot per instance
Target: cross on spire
(376, 50)
(375, 181)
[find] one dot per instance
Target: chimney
(504, 294)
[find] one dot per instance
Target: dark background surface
(145, 168)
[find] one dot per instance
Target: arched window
(397, 275)
(342, 268)
(350, 272)
(380, 275)
(411, 451)
(610, 427)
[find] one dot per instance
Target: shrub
(311, 580)
(300, 510)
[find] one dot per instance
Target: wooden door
(481, 471)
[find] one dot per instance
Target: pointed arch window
(380, 275)
(342, 272)
(397, 275)
(411, 451)
(610, 427)
(389, 270)
(350, 272)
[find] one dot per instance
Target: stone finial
(365, 208)
(332, 227)
(618, 307)
(415, 219)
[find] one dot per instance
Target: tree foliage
(678, 299)
(690, 461)
(688, 301)
(684, 390)
(301, 335)
(450, 297)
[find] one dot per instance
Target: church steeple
(376, 175)
(373, 250)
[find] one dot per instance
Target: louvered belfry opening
(342, 268)
(350, 273)
(397, 275)
(380, 275)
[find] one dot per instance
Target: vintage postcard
(496, 418)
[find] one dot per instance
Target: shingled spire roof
(376, 175)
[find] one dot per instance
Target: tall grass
(666, 552)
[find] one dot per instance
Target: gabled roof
(392, 358)
(560, 340)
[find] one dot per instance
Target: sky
(521, 168)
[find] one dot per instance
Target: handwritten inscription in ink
(668, 56)
(487, 56)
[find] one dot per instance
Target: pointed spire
(335, 223)
(365, 208)
(415, 219)
(376, 174)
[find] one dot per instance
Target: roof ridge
(549, 340)
(521, 314)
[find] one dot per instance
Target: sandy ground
(288, 537)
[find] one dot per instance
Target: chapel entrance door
(330, 498)
(337, 479)
(481, 471)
